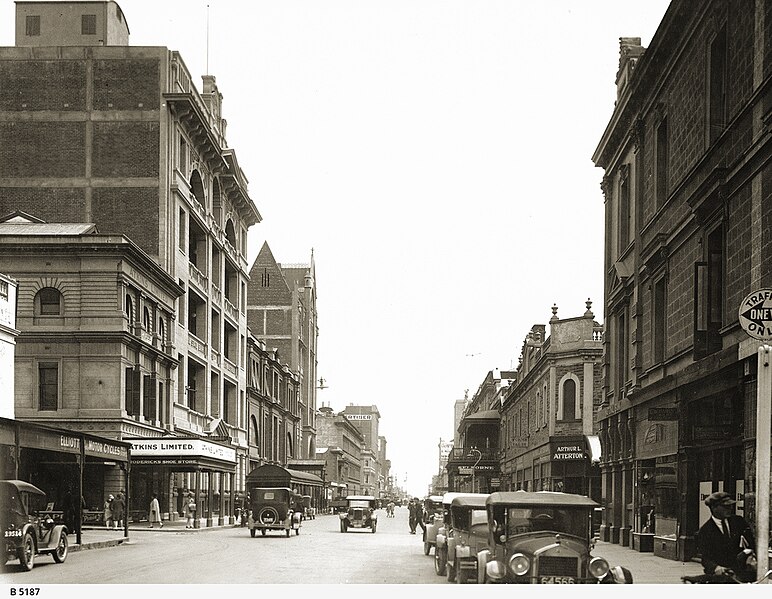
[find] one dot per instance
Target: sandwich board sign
(755, 314)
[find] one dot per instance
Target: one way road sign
(755, 314)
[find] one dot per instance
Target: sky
(435, 156)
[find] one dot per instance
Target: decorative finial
(554, 312)
(589, 313)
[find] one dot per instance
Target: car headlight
(520, 564)
(598, 567)
(495, 570)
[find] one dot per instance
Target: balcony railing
(196, 344)
(470, 455)
(230, 309)
(229, 367)
(197, 277)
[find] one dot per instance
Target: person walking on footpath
(415, 510)
(118, 507)
(154, 515)
(191, 512)
(725, 540)
(108, 507)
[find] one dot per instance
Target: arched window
(569, 399)
(289, 446)
(48, 302)
(129, 308)
(197, 187)
(146, 321)
(162, 330)
(230, 233)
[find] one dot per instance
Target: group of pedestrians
(416, 511)
(115, 508)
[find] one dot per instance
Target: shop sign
(167, 448)
(104, 449)
(359, 416)
(49, 440)
(568, 450)
(755, 314)
(164, 462)
(465, 470)
(662, 414)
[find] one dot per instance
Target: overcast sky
(435, 155)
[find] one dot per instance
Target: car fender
(441, 540)
(53, 537)
(483, 557)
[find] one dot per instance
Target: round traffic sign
(755, 314)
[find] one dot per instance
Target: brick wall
(51, 204)
(133, 212)
(126, 84)
(126, 149)
(42, 85)
(42, 149)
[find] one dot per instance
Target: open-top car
(463, 536)
(274, 508)
(360, 513)
(432, 517)
(28, 529)
(540, 537)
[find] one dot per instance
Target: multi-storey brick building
(341, 444)
(93, 130)
(8, 334)
(282, 312)
(547, 413)
(687, 184)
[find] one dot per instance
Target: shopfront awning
(593, 448)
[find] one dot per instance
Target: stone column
(197, 495)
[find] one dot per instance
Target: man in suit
(720, 539)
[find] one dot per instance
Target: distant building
(344, 443)
(281, 312)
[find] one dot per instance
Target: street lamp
(479, 457)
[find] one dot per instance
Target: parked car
(464, 535)
(360, 513)
(540, 537)
(273, 508)
(28, 528)
(432, 512)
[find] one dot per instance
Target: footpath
(647, 568)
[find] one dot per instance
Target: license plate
(556, 580)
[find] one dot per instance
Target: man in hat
(724, 537)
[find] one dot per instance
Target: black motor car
(274, 508)
(28, 528)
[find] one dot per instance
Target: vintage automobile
(540, 537)
(462, 537)
(273, 508)
(27, 527)
(432, 516)
(360, 513)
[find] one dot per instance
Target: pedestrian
(118, 508)
(154, 515)
(108, 508)
(190, 512)
(725, 540)
(415, 512)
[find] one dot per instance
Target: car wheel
(61, 549)
(427, 548)
(297, 531)
(440, 561)
(27, 553)
(252, 531)
(288, 533)
(374, 526)
(263, 531)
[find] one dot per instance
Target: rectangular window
(662, 151)
(717, 85)
(659, 313)
(621, 355)
(624, 212)
(149, 397)
(33, 25)
(48, 381)
(88, 24)
(4, 290)
(182, 156)
(182, 225)
(131, 398)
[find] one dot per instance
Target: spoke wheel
(61, 549)
(440, 561)
(27, 553)
(451, 570)
(252, 531)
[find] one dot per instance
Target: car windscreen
(465, 519)
(358, 503)
(567, 520)
(10, 499)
